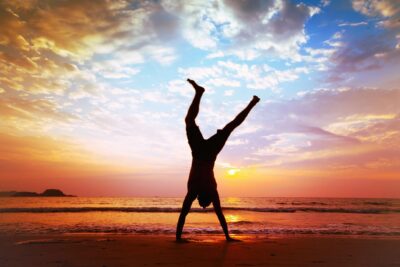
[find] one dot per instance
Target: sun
(233, 171)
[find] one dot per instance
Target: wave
(205, 230)
(310, 203)
(242, 223)
(176, 210)
(377, 203)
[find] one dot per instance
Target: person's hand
(230, 239)
(181, 240)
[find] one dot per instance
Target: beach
(118, 232)
(200, 250)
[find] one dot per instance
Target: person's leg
(221, 217)
(241, 116)
(187, 203)
(220, 138)
(194, 106)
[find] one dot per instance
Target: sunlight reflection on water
(136, 215)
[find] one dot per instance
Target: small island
(46, 193)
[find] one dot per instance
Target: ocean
(158, 215)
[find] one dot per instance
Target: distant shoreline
(45, 193)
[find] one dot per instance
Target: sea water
(158, 215)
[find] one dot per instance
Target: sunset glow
(93, 95)
(233, 171)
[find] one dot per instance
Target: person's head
(205, 198)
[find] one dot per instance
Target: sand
(201, 250)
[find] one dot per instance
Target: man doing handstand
(201, 183)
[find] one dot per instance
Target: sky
(93, 95)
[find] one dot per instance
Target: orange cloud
(57, 58)
(28, 116)
(24, 159)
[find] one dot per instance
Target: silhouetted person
(201, 183)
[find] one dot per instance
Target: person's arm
(187, 203)
(221, 218)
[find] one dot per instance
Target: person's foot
(255, 99)
(196, 87)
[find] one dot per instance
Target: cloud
(163, 55)
(388, 11)
(181, 87)
(22, 115)
(41, 40)
(353, 24)
(243, 29)
(373, 50)
(68, 28)
(113, 69)
(370, 52)
(325, 3)
(55, 56)
(229, 92)
(259, 77)
(385, 8)
(237, 142)
(218, 82)
(325, 127)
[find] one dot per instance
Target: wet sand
(201, 250)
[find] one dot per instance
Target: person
(201, 183)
